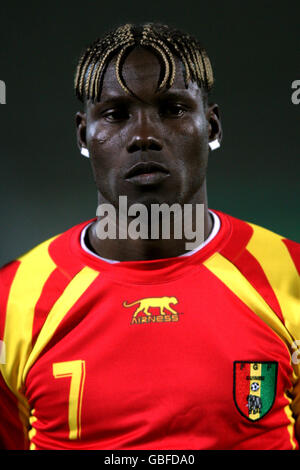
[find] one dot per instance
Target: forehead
(141, 72)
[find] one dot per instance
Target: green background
(46, 186)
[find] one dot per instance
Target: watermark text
(2, 353)
(2, 92)
(296, 353)
(296, 94)
(159, 222)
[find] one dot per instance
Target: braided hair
(164, 41)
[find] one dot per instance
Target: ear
(214, 123)
(80, 121)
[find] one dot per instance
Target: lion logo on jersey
(163, 303)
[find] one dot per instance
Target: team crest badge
(254, 387)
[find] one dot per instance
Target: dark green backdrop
(46, 186)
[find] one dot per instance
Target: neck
(196, 223)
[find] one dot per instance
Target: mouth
(144, 174)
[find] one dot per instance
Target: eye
(116, 114)
(173, 110)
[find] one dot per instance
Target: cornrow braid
(165, 42)
(122, 39)
(154, 42)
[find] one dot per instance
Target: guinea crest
(254, 387)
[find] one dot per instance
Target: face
(153, 146)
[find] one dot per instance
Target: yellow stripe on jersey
(32, 432)
(255, 370)
(23, 295)
(65, 302)
(240, 286)
(275, 260)
(32, 273)
(291, 425)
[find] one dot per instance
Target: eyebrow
(117, 98)
(176, 94)
(114, 98)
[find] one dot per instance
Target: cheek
(197, 130)
(96, 137)
(193, 131)
(103, 135)
(104, 148)
(191, 143)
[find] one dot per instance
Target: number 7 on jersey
(75, 370)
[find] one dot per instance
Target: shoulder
(271, 264)
(49, 264)
(278, 253)
(278, 256)
(268, 247)
(29, 287)
(43, 258)
(21, 282)
(29, 265)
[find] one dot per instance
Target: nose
(145, 136)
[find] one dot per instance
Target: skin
(172, 127)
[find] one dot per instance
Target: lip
(147, 173)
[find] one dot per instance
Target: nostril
(149, 143)
(136, 145)
(155, 145)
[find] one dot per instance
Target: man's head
(145, 91)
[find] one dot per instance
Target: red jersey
(194, 352)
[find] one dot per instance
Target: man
(136, 342)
